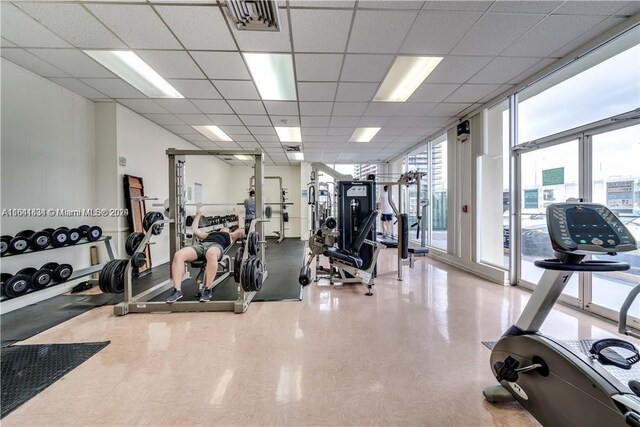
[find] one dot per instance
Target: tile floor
(410, 355)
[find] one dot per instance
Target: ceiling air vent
(291, 148)
(255, 15)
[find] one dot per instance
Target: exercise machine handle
(590, 265)
(622, 324)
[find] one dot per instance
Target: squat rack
(141, 303)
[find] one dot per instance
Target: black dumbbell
(84, 229)
(39, 240)
(94, 233)
(20, 242)
(41, 278)
(16, 285)
(61, 272)
(59, 236)
(74, 236)
(4, 245)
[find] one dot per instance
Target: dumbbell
(93, 233)
(59, 272)
(73, 235)
(38, 279)
(15, 285)
(20, 242)
(59, 236)
(4, 244)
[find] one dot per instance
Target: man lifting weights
(210, 248)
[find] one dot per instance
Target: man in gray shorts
(209, 248)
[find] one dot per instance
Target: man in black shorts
(209, 248)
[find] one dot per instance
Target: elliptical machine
(557, 385)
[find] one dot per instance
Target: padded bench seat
(344, 256)
(418, 251)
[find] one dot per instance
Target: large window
(493, 189)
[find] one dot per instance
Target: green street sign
(553, 176)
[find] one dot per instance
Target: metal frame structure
(141, 303)
(281, 203)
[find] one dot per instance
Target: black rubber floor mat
(28, 369)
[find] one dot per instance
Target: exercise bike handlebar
(589, 265)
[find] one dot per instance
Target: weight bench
(416, 253)
(223, 270)
(349, 261)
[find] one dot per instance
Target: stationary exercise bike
(557, 385)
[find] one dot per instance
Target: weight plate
(74, 236)
(117, 281)
(4, 277)
(50, 265)
(4, 245)
(257, 275)
(268, 212)
(62, 273)
(40, 241)
(253, 244)
(94, 233)
(104, 279)
(29, 271)
(139, 260)
(63, 228)
(18, 244)
(244, 275)
(25, 233)
(59, 238)
(133, 240)
(17, 285)
(237, 265)
(305, 276)
(49, 230)
(84, 229)
(41, 279)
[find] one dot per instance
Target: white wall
(290, 182)
(48, 160)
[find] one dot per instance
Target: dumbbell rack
(8, 305)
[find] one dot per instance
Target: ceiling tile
(430, 122)
(316, 91)
(244, 138)
(575, 7)
(493, 94)
(198, 27)
(76, 86)
(309, 131)
(142, 106)
(171, 64)
(31, 62)
(73, 23)
(283, 108)
(341, 131)
(383, 138)
(314, 121)
(183, 106)
(356, 91)
(235, 130)
(415, 108)
(532, 70)
(461, 6)
(457, 69)
(212, 106)
(437, 32)
(261, 130)
(494, 32)
(268, 138)
(255, 120)
(318, 67)
(471, 93)
(379, 31)
(247, 107)
(181, 129)
(502, 70)
(195, 89)
(222, 65)
(590, 34)
(339, 121)
(231, 89)
(265, 41)
(395, 4)
(310, 32)
(195, 119)
(24, 30)
(551, 34)
(373, 121)
(4, 42)
(384, 109)
(432, 92)
(225, 119)
(316, 108)
(114, 88)
(521, 6)
(290, 120)
(448, 109)
(389, 131)
(419, 131)
(138, 25)
(164, 119)
(74, 62)
(349, 108)
(365, 68)
(631, 9)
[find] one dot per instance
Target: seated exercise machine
(556, 384)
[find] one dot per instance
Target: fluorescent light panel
(289, 134)
(404, 77)
(242, 157)
(214, 133)
(128, 66)
(273, 75)
(296, 156)
(363, 134)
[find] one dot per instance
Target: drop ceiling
(342, 51)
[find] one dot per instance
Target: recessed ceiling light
(296, 156)
(273, 75)
(128, 66)
(214, 133)
(404, 77)
(363, 134)
(242, 157)
(289, 134)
